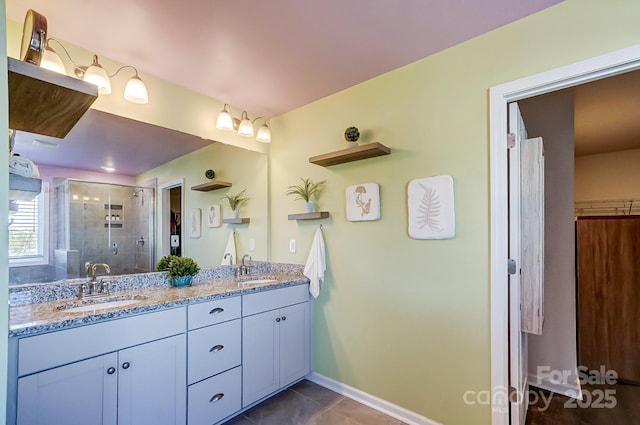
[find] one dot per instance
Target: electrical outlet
(252, 244)
(292, 246)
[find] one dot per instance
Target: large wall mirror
(88, 214)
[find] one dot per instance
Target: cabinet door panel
(294, 343)
(77, 394)
(260, 356)
(152, 383)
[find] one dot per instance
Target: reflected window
(28, 231)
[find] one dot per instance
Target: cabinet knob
(278, 319)
(111, 370)
(126, 365)
(216, 310)
(284, 318)
(216, 397)
(216, 348)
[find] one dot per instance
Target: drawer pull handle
(216, 348)
(277, 319)
(284, 318)
(216, 397)
(216, 310)
(126, 365)
(111, 370)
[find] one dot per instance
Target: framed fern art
(431, 208)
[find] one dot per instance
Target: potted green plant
(163, 264)
(351, 135)
(181, 270)
(236, 201)
(305, 191)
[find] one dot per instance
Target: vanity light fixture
(135, 91)
(244, 125)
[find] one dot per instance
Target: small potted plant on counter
(236, 201)
(163, 264)
(305, 191)
(181, 270)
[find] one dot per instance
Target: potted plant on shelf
(236, 201)
(305, 191)
(351, 135)
(181, 270)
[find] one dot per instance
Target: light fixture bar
(225, 121)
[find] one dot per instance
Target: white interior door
(517, 339)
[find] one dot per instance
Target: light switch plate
(292, 246)
(252, 244)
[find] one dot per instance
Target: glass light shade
(135, 91)
(246, 127)
(225, 120)
(264, 134)
(95, 74)
(51, 61)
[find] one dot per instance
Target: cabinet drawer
(271, 300)
(214, 349)
(215, 398)
(80, 343)
(212, 312)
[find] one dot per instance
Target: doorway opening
(170, 214)
(569, 76)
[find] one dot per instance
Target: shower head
(137, 193)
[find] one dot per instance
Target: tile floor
(307, 403)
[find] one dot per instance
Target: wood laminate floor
(307, 403)
(620, 407)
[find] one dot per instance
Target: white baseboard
(372, 401)
(564, 389)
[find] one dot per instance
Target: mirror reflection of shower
(103, 223)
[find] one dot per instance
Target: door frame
(164, 218)
(592, 69)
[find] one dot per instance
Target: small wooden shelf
(309, 216)
(370, 150)
(236, 220)
(45, 102)
(23, 188)
(212, 185)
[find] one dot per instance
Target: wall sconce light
(135, 91)
(244, 125)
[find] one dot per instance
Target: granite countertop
(48, 316)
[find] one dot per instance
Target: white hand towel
(21, 166)
(316, 265)
(230, 249)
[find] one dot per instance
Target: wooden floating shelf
(236, 220)
(370, 150)
(309, 216)
(23, 188)
(212, 185)
(45, 102)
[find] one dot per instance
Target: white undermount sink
(259, 281)
(99, 304)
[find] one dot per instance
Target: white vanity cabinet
(127, 371)
(215, 355)
(275, 341)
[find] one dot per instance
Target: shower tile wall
(101, 237)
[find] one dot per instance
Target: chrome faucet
(244, 268)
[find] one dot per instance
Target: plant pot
(352, 144)
(181, 280)
(236, 213)
(308, 207)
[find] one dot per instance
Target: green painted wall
(402, 319)
(4, 241)
(244, 169)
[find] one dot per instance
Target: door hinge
(512, 267)
(511, 140)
